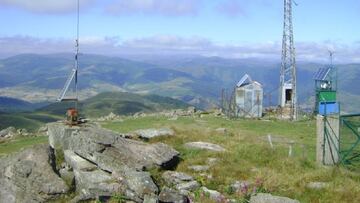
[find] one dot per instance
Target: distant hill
(100, 105)
(120, 103)
(192, 79)
(8, 104)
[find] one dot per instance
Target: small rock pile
(110, 117)
(12, 132)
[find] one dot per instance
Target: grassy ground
(249, 157)
(30, 121)
(20, 143)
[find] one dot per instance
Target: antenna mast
(288, 96)
(77, 54)
(72, 113)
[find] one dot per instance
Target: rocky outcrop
(109, 150)
(205, 145)
(110, 117)
(105, 163)
(27, 176)
(268, 198)
(8, 132)
(12, 132)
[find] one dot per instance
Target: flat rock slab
(268, 198)
(173, 177)
(78, 163)
(317, 185)
(152, 133)
(205, 145)
(188, 186)
(199, 168)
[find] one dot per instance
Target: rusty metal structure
(72, 113)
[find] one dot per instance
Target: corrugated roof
(246, 79)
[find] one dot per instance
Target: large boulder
(109, 150)
(268, 198)
(27, 176)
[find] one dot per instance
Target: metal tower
(287, 95)
(74, 72)
(72, 113)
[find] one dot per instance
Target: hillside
(120, 103)
(247, 165)
(8, 104)
(104, 103)
(195, 80)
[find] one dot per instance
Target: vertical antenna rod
(288, 64)
(77, 54)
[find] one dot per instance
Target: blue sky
(228, 28)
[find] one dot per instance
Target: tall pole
(77, 54)
(288, 64)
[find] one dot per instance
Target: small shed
(248, 98)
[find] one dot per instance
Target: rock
(212, 161)
(173, 177)
(8, 132)
(240, 187)
(78, 163)
(152, 133)
(110, 117)
(23, 132)
(317, 185)
(92, 184)
(43, 129)
(106, 164)
(27, 176)
(205, 145)
(139, 182)
(108, 150)
(213, 194)
(221, 131)
(168, 195)
(199, 168)
(151, 199)
(188, 186)
(268, 198)
(68, 176)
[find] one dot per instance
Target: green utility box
(327, 96)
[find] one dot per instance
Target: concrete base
(327, 146)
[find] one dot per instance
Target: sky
(224, 28)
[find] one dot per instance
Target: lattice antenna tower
(73, 77)
(288, 95)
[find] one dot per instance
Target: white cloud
(172, 45)
(45, 6)
(157, 7)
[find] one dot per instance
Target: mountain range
(193, 79)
